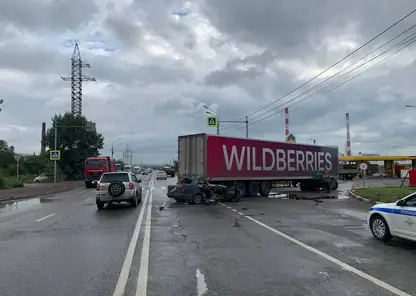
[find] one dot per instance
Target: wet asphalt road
(259, 246)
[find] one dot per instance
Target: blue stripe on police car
(394, 211)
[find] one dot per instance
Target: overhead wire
(9, 18)
(401, 45)
(334, 64)
(65, 15)
(338, 62)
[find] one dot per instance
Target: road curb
(29, 196)
(352, 194)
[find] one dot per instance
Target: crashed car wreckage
(196, 190)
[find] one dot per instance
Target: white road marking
(46, 217)
(343, 265)
(240, 213)
(128, 260)
(87, 199)
(83, 191)
(141, 288)
(234, 210)
(201, 285)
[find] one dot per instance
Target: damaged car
(196, 191)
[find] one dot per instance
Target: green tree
(74, 142)
(33, 164)
(6, 155)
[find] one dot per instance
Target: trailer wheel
(326, 187)
(303, 186)
(253, 188)
(334, 184)
(341, 177)
(242, 187)
(264, 188)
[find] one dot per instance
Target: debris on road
(236, 224)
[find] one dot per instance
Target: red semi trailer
(254, 165)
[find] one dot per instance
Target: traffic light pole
(233, 121)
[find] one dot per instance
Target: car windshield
(122, 177)
(95, 163)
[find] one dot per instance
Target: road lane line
(343, 265)
(83, 191)
(87, 199)
(128, 260)
(46, 217)
(141, 288)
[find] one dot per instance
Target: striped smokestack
(348, 144)
(286, 122)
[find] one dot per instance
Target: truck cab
(169, 171)
(94, 167)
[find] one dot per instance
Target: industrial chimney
(43, 139)
(348, 144)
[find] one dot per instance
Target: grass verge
(384, 194)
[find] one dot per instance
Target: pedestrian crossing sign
(55, 155)
(290, 138)
(212, 121)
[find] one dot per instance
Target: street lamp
(410, 106)
(1, 103)
(396, 147)
(112, 147)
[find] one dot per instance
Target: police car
(397, 219)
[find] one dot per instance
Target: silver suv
(118, 187)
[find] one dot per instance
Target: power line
(8, 17)
(384, 56)
(336, 63)
(64, 14)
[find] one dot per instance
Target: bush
(3, 182)
(15, 184)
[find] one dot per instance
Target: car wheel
(134, 202)
(100, 205)
(380, 228)
(197, 199)
(139, 198)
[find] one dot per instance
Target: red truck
(94, 167)
(254, 165)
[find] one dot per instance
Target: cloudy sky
(156, 70)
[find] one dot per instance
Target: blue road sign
(212, 121)
(55, 155)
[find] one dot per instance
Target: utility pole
(212, 112)
(76, 79)
(112, 147)
(236, 121)
(55, 148)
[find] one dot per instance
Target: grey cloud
(295, 28)
(238, 71)
(46, 16)
(152, 100)
(129, 74)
